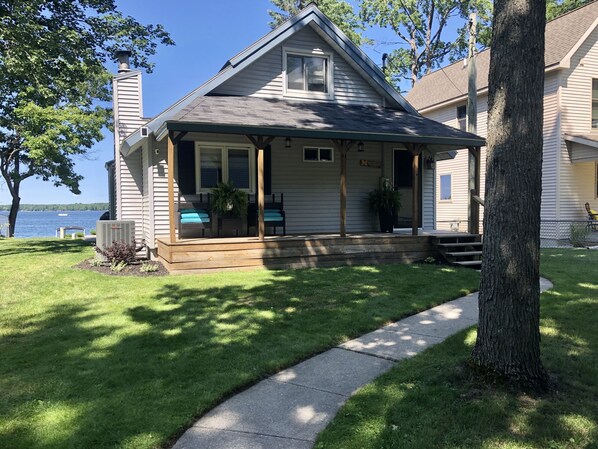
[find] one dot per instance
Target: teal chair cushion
(272, 215)
(194, 216)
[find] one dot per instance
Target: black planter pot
(386, 220)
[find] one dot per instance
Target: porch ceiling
(322, 120)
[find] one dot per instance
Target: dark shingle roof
(244, 115)
(451, 82)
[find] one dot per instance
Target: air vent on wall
(144, 131)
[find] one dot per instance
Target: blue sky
(206, 34)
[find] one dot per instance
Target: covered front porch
(366, 136)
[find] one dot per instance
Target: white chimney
(123, 57)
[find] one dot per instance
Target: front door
(403, 182)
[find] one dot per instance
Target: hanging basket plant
(228, 201)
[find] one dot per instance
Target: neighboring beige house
(301, 112)
(569, 178)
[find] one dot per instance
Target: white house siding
(577, 180)
(129, 172)
(264, 77)
(457, 209)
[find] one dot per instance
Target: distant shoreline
(58, 207)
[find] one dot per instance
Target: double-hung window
(446, 187)
(307, 75)
(317, 154)
(216, 163)
(462, 117)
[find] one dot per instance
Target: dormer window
(307, 74)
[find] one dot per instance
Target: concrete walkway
(289, 410)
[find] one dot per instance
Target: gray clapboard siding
(577, 180)
(264, 77)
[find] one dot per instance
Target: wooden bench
(194, 215)
(274, 214)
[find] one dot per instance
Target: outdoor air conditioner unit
(110, 231)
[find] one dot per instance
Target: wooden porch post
(170, 162)
(343, 147)
(260, 142)
(415, 151)
(474, 190)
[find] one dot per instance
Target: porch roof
(582, 148)
(288, 118)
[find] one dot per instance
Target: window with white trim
(216, 163)
(307, 74)
(595, 104)
(317, 154)
(446, 187)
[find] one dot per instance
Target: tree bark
(508, 341)
(14, 210)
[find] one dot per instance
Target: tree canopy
(556, 8)
(54, 86)
(339, 11)
(421, 26)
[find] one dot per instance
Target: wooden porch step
(463, 250)
(469, 263)
(464, 253)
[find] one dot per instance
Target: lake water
(44, 224)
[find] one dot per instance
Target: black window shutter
(186, 167)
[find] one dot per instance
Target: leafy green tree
(420, 27)
(556, 8)
(54, 86)
(339, 11)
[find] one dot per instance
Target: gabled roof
(564, 35)
(286, 118)
(311, 15)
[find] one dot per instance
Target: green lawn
(431, 402)
(88, 360)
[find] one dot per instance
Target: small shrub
(92, 232)
(119, 252)
(430, 260)
(79, 235)
(95, 262)
(148, 268)
(577, 235)
(117, 267)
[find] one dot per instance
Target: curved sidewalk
(289, 409)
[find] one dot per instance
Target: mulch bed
(129, 270)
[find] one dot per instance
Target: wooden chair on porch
(194, 215)
(274, 214)
(592, 218)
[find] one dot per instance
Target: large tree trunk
(12, 215)
(508, 342)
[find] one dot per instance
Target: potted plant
(386, 202)
(228, 201)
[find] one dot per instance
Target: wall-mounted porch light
(360, 147)
(287, 142)
(429, 162)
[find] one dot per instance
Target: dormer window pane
(295, 72)
(316, 74)
(307, 73)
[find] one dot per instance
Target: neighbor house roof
(285, 118)
(310, 16)
(563, 36)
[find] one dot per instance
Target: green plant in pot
(386, 202)
(228, 201)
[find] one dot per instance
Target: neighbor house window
(462, 117)
(307, 73)
(446, 188)
(595, 104)
(223, 163)
(316, 154)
